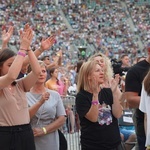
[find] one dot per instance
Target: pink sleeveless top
(13, 106)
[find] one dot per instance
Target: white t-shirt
(145, 108)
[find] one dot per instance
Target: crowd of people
(46, 68)
(115, 35)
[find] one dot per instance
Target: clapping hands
(26, 37)
(95, 86)
(115, 82)
(6, 35)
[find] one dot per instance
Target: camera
(117, 67)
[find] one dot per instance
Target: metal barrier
(71, 127)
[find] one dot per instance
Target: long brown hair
(51, 72)
(5, 55)
(147, 83)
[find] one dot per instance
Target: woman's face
(43, 75)
(98, 74)
(55, 73)
(100, 60)
(6, 65)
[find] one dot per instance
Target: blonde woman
(105, 63)
(98, 109)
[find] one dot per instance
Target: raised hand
(95, 87)
(115, 83)
(6, 35)
(26, 38)
(47, 43)
(25, 29)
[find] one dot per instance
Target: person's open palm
(115, 82)
(47, 43)
(95, 87)
(26, 39)
(6, 35)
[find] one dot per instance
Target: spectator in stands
(133, 86)
(105, 63)
(98, 109)
(51, 115)
(144, 107)
(15, 130)
(125, 61)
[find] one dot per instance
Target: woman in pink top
(54, 84)
(15, 130)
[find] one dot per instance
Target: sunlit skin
(102, 64)
(97, 74)
(125, 61)
(101, 61)
(55, 73)
(42, 76)
(6, 65)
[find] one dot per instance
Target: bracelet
(95, 102)
(44, 130)
(21, 54)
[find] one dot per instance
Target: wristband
(44, 130)
(21, 54)
(95, 102)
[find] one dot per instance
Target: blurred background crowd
(82, 28)
(118, 29)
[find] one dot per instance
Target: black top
(133, 83)
(103, 134)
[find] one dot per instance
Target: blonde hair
(41, 63)
(108, 70)
(85, 71)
